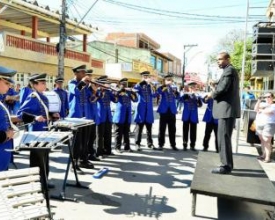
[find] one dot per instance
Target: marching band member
(123, 116)
(190, 117)
(104, 118)
(6, 131)
(167, 110)
(78, 108)
(144, 113)
(88, 152)
(211, 124)
(63, 95)
(36, 106)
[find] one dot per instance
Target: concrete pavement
(145, 185)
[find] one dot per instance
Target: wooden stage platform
(247, 182)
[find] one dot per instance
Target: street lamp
(183, 62)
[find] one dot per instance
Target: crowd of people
(90, 98)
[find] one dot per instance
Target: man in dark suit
(226, 108)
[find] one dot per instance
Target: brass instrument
(102, 85)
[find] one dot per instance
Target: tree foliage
(233, 43)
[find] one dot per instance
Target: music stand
(71, 124)
(42, 141)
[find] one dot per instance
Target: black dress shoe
(160, 148)
(77, 169)
(51, 186)
(86, 165)
(150, 146)
(93, 158)
(193, 149)
(204, 149)
(221, 170)
(174, 148)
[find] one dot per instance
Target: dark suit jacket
(226, 96)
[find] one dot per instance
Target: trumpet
(102, 85)
(131, 90)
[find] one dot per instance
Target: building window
(153, 61)
(160, 65)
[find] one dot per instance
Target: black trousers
(88, 138)
(104, 138)
(225, 129)
(40, 158)
(209, 127)
(139, 133)
(188, 125)
(79, 143)
(122, 131)
(169, 119)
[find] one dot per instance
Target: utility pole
(184, 59)
(62, 40)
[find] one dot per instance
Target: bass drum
(54, 101)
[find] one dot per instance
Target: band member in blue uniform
(211, 124)
(24, 93)
(167, 110)
(6, 131)
(36, 106)
(190, 118)
(63, 95)
(89, 152)
(104, 117)
(78, 108)
(123, 115)
(10, 99)
(144, 113)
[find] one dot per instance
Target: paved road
(146, 185)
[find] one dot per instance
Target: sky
(172, 23)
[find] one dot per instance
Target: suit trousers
(188, 125)
(122, 130)
(139, 133)
(209, 127)
(225, 129)
(104, 138)
(169, 119)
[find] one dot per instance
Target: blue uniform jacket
(78, 107)
(5, 156)
(24, 93)
(63, 95)
(168, 99)
(190, 109)
(208, 115)
(33, 106)
(144, 112)
(124, 107)
(103, 106)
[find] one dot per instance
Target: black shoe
(204, 149)
(86, 165)
(184, 148)
(221, 170)
(174, 148)
(51, 186)
(93, 158)
(128, 150)
(193, 149)
(77, 169)
(150, 146)
(160, 148)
